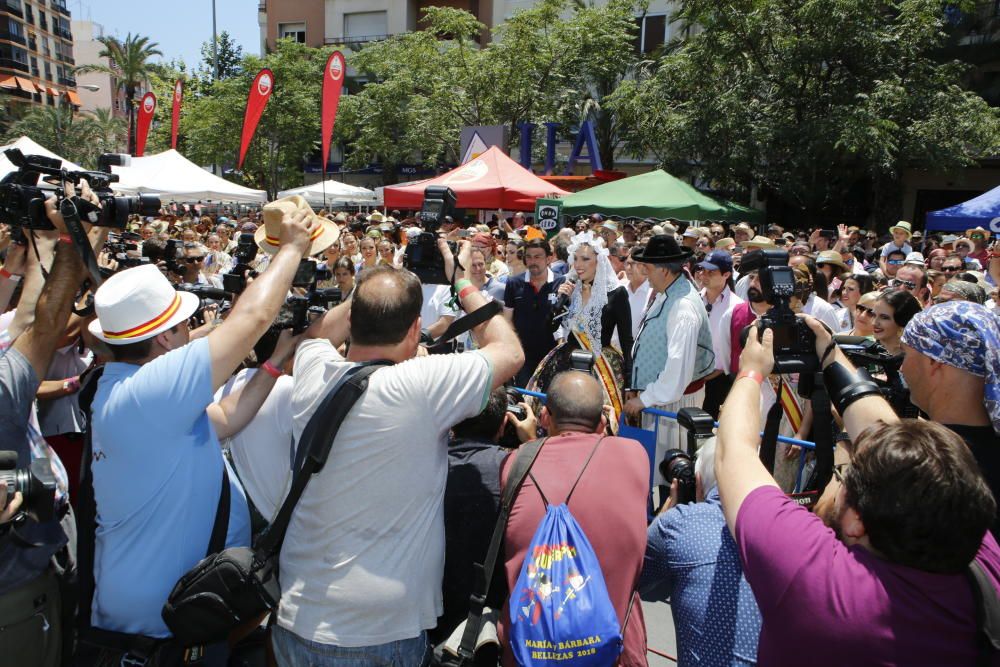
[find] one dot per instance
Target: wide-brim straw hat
(324, 235)
(902, 226)
(139, 303)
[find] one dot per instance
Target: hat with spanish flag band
(137, 304)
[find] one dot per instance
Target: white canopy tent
(336, 193)
(29, 147)
(174, 178)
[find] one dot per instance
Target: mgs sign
(336, 68)
(148, 104)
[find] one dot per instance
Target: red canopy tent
(491, 181)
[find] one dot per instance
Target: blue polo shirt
(692, 561)
(157, 468)
(532, 319)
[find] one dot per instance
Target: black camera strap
(71, 218)
(468, 322)
(483, 573)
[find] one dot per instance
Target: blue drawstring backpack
(560, 611)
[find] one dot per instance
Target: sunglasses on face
(896, 262)
(194, 260)
(951, 269)
(864, 310)
(977, 237)
(898, 282)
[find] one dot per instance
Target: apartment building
(97, 90)
(357, 22)
(36, 53)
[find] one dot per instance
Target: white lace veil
(587, 318)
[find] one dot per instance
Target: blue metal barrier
(805, 444)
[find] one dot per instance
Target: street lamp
(89, 86)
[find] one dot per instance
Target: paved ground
(660, 633)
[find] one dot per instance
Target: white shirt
(435, 306)
(742, 287)
(637, 303)
(683, 325)
(720, 318)
(822, 311)
(264, 450)
(364, 556)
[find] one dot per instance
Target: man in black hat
(673, 352)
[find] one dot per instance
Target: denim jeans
(290, 650)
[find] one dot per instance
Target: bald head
(575, 400)
(386, 303)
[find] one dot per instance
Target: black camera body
(235, 281)
(422, 255)
(870, 355)
(36, 483)
(22, 201)
(676, 464)
(794, 341)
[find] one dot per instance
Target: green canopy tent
(656, 194)
(739, 213)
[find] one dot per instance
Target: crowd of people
(166, 398)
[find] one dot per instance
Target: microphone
(562, 303)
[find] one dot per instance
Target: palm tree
(56, 128)
(109, 131)
(128, 63)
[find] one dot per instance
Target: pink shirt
(825, 603)
(609, 503)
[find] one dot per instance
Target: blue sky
(179, 26)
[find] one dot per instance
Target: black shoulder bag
(240, 585)
(444, 657)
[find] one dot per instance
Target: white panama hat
(137, 304)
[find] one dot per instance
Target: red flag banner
(147, 107)
(260, 92)
(333, 81)
(178, 96)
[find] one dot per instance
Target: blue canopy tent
(977, 212)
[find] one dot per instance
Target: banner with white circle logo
(260, 93)
(333, 82)
(175, 118)
(147, 107)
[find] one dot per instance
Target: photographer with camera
(692, 562)
(952, 366)
(891, 584)
(33, 547)
(157, 466)
(377, 504)
(472, 503)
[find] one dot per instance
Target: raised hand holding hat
(286, 218)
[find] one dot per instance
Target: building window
(362, 26)
(652, 32)
(296, 31)
(19, 55)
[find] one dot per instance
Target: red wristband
(66, 238)
(271, 369)
(467, 290)
(4, 273)
(753, 375)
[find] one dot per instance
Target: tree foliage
(77, 137)
(810, 101)
(230, 58)
(129, 61)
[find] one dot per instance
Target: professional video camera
(36, 483)
(678, 464)
(794, 342)
(22, 201)
(883, 369)
(294, 313)
(422, 255)
(119, 246)
(246, 251)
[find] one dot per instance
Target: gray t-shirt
(362, 562)
(18, 385)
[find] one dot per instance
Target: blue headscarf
(964, 335)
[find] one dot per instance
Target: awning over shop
(8, 82)
(73, 98)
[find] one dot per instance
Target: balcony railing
(12, 7)
(60, 7)
(12, 37)
(61, 32)
(67, 81)
(7, 63)
(356, 39)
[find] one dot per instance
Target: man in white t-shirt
(362, 562)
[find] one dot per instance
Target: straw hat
(376, 217)
(725, 244)
(137, 304)
(902, 226)
(757, 242)
(832, 257)
(324, 235)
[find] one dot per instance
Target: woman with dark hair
(852, 287)
(343, 275)
(893, 311)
